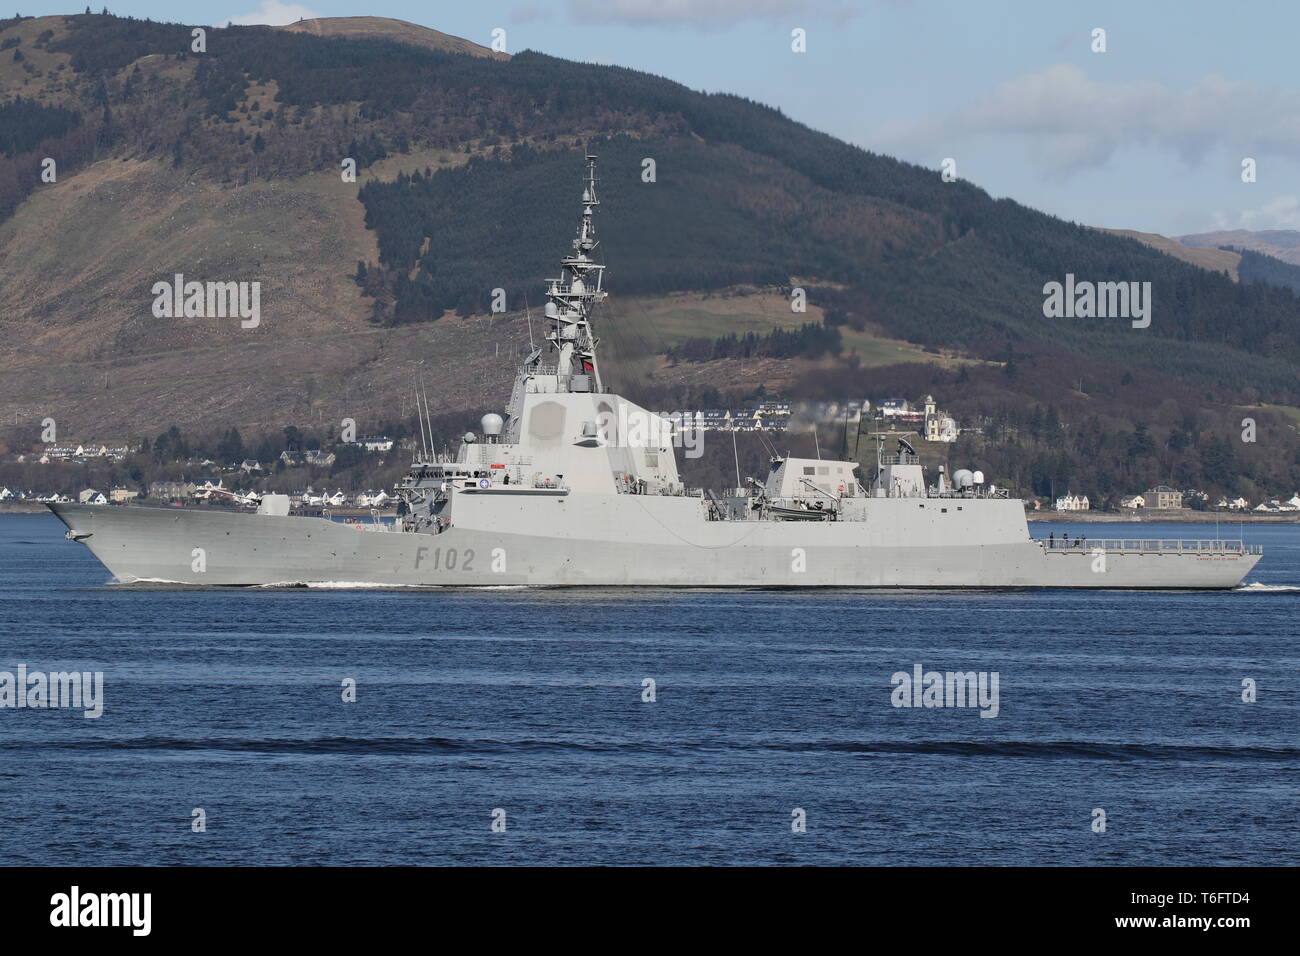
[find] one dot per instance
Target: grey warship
(577, 486)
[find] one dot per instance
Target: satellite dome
(979, 477)
(491, 423)
(963, 478)
(551, 310)
(469, 438)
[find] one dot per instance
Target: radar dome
(963, 478)
(491, 423)
(469, 438)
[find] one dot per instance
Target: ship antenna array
(573, 296)
(420, 413)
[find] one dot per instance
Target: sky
(1150, 134)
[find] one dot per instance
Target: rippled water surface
(531, 702)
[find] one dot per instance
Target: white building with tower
(938, 425)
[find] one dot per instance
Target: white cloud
(1069, 122)
(274, 13)
(1280, 212)
(706, 14)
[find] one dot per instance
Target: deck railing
(1153, 545)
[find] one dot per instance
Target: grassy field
(665, 321)
(385, 28)
(1289, 411)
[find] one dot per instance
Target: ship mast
(572, 297)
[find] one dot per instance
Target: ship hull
(624, 541)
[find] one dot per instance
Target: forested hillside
(474, 169)
(1258, 267)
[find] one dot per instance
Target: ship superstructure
(577, 485)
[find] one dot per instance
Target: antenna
(419, 414)
(880, 444)
(857, 437)
(529, 313)
(816, 443)
(735, 451)
(428, 418)
(415, 389)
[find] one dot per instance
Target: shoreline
(1183, 516)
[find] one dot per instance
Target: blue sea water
(530, 702)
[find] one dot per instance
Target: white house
(1133, 502)
(92, 497)
(5, 494)
(205, 488)
(1073, 503)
